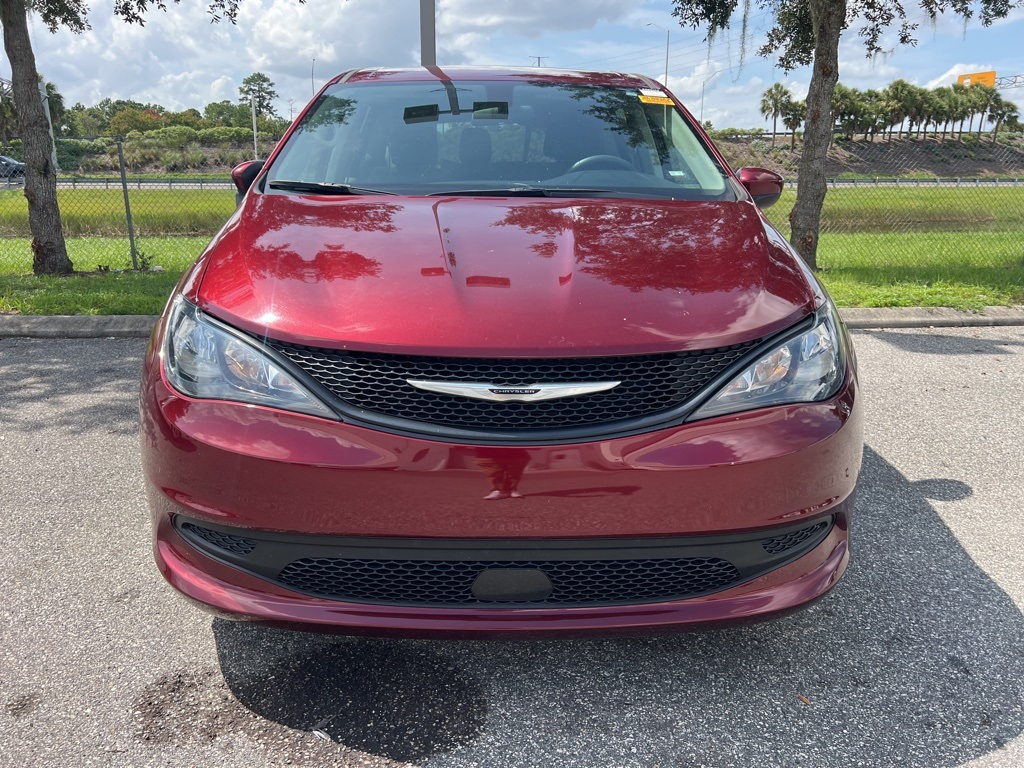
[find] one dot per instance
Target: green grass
(125, 293)
(963, 270)
(101, 211)
(89, 254)
(880, 247)
(913, 209)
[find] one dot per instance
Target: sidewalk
(139, 326)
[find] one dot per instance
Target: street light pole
(667, 40)
(312, 87)
(428, 42)
(702, 97)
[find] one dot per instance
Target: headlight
(206, 360)
(805, 369)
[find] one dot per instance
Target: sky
(180, 59)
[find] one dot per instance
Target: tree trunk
(49, 253)
(828, 17)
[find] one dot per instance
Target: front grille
(449, 582)
(377, 382)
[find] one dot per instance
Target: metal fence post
(127, 207)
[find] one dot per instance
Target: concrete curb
(76, 326)
(931, 317)
(140, 326)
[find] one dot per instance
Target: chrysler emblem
(529, 394)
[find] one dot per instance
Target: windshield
(430, 138)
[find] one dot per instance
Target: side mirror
(764, 186)
(244, 175)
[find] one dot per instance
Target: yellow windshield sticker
(655, 99)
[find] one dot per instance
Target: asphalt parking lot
(915, 659)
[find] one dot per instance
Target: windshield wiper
(323, 188)
(523, 191)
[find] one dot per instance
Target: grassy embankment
(882, 246)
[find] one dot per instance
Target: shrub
(137, 156)
(225, 135)
(230, 157)
(97, 163)
(173, 161)
(173, 136)
(193, 156)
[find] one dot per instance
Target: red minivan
(500, 352)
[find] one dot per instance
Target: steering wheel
(601, 163)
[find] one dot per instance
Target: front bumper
(252, 468)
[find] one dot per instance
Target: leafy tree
(258, 88)
(228, 114)
(49, 251)
(808, 32)
(8, 114)
(188, 117)
(87, 121)
(131, 119)
(773, 104)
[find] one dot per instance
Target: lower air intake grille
(650, 385)
(780, 544)
(226, 541)
(450, 582)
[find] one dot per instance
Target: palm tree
(55, 101)
(773, 102)
(999, 112)
(899, 98)
(874, 113)
(986, 99)
(962, 99)
(848, 109)
(793, 116)
(918, 111)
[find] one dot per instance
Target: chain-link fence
(923, 210)
(169, 188)
(904, 211)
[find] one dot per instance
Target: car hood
(500, 276)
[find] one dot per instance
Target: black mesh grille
(779, 544)
(377, 382)
(225, 541)
(449, 582)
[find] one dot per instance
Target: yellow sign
(975, 78)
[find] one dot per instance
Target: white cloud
(179, 59)
(950, 75)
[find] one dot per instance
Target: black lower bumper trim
(447, 572)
